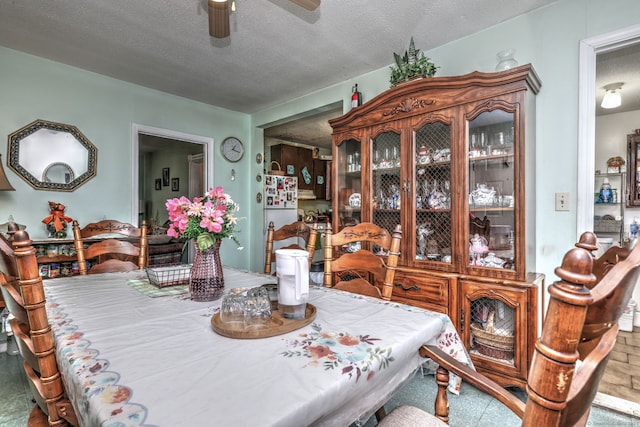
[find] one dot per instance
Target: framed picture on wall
(165, 177)
(175, 184)
(158, 184)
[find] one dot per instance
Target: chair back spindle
(353, 268)
(296, 230)
(113, 254)
(34, 336)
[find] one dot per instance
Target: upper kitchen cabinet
(321, 179)
(295, 161)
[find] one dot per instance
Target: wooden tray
(278, 325)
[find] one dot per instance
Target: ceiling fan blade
(307, 4)
(219, 18)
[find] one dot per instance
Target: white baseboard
(617, 404)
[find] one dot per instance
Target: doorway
(166, 164)
(617, 397)
(311, 131)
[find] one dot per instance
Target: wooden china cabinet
(451, 159)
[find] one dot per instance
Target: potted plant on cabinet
(412, 65)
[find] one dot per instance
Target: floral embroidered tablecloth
(132, 360)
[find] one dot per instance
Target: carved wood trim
(408, 104)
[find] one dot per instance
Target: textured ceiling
(277, 50)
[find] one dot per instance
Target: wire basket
(491, 339)
(170, 275)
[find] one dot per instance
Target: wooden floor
(622, 376)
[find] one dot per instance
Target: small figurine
(56, 222)
(477, 248)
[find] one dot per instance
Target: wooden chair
(113, 255)
(298, 230)
(353, 268)
(577, 338)
(7, 260)
(24, 295)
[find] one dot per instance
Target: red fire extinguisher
(356, 97)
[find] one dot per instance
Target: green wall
(104, 110)
(549, 39)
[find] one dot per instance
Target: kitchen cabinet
(321, 179)
(633, 169)
(450, 159)
(494, 328)
(295, 161)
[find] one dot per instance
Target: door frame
(589, 48)
(138, 129)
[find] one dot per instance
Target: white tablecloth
(132, 360)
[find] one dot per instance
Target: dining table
(133, 354)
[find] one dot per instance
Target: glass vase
(506, 60)
(207, 280)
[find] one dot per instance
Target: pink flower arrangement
(205, 219)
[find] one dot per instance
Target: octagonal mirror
(52, 156)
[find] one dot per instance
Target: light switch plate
(562, 201)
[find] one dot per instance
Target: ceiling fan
(219, 15)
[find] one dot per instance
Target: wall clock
(232, 149)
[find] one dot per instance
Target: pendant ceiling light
(612, 97)
(219, 15)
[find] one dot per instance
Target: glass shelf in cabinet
(603, 175)
(482, 208)
(434, 210)
(489, 157)
(375, 168)
(433, 164)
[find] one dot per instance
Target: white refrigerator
(280, 200)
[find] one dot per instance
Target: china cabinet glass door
(387, 190)
(492, 234)
(349, 180)
(432, 180)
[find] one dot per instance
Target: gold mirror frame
(34, 175)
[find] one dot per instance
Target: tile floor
(15, 396)
(471, 408)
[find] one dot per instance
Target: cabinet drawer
(423, 288)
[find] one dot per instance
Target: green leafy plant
(411, 65)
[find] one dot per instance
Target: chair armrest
(474, 378)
